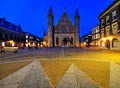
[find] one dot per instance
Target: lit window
(114, 14)
(102, 22)
(31, 37)
(86, 40)
(108, 30)
(26, 40)
(3, 44)
(102, 32)
(26, 36)
(107, 19)
(97, 36)
(114, 28)
(97, 30)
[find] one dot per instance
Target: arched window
(64, 30)
(115, 43)
(57, 40)
(71, 40)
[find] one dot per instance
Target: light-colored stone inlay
(13, 80)
(75, 78)
(114, 80)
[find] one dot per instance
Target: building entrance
(65, 41)
(108, 44)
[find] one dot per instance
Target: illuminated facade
(64, 33)
(110, 26)
(10, 34)
(96, 36)
(45, 39)
(32, 40)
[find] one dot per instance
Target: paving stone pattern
(75, 78)
(33, 76)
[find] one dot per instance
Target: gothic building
(64, 33)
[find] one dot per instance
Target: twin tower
(64, 33)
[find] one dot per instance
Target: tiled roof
(10, 26)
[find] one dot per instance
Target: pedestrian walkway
(114, 76)
(11, 54)
(14, 79)
(75, 78)
(33, 76)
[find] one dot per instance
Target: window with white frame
(97, 30)
(102, 32)
(26, 36)
(107, 19)
(102, 22)
(97, 36)
(114, 14)
(114, 28)
(107, 30)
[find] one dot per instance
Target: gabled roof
(10, 26)
(64, 19)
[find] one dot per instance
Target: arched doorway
(115, 43)
(65, 41)
(108, 44)
(102, 43)
(57, 41)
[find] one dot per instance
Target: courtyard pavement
(33, 76)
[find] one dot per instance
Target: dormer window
(114, 14)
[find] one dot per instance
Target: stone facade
(10, 34)
(96, 35)
(64, 33)
(110, 26)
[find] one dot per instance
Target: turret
(50, 27)
(50, 16)
(77, 18)
(77, 28)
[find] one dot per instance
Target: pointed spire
(50, 10)
(64, 13)
(77, 13)
(64, 9)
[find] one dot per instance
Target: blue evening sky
(32, 14)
